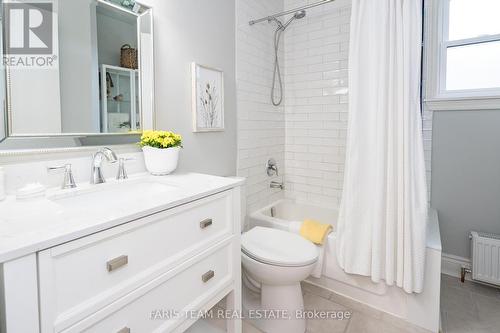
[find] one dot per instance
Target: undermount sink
(110, 196)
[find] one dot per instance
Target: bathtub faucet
(279, 185)
(272, 168)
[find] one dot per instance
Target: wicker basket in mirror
(128, 57)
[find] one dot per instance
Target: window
(468, 49)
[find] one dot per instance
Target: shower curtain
(383, 214)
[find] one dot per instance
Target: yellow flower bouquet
(160, 139)
(161, 151)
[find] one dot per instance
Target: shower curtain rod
(291, 11)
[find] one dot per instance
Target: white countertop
(30, 226)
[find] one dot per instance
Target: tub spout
(279, 185)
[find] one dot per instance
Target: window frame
(436, 44)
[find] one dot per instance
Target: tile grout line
(348, 324)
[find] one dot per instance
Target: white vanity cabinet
(151, 274)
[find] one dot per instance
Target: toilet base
(263, 309)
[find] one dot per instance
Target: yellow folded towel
(314, 231)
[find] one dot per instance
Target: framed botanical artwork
(208, 99)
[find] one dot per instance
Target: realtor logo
(28, 28)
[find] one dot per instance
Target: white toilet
(274, 262)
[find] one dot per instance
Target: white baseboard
(451, 265)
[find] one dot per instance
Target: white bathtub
(419, 309)
(281, 213)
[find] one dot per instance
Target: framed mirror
(76, 73)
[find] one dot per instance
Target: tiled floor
(465, 308)
(363, 319)
(469, 307)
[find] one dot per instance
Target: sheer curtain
(383, 214)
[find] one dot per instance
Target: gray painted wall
(204, 32)
(466, 175)
(112, 34)
(78, 67)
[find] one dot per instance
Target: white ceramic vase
(160, 162)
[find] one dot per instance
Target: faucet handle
(272, 168)
(122, 172)
(69, 180)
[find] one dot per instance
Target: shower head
(297, 16)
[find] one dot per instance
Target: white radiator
(486, 257)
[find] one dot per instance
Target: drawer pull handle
(207, 276)
(117, 263)
(124, 330)
(206, 223)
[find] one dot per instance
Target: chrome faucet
(69, 180)
(272, 170)
(122, 172)
(96, 176)
(277, 185)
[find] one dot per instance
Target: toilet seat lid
(279, 248)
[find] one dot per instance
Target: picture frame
(208, 98)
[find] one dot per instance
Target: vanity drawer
(161, 305)
(83, 276)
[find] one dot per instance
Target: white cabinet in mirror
(86, 71)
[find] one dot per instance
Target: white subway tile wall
(316, 106)
(308, 134)
(261, 126)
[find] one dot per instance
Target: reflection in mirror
(3, 112)
(118, 67)
(100, 81)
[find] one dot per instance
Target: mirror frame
(56, 141)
